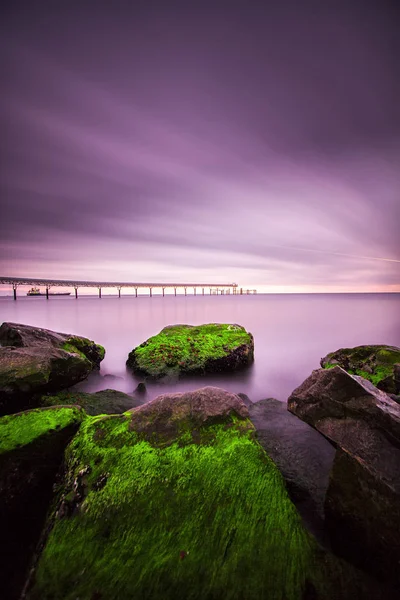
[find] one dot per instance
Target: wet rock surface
(363, 498)
(303, 456)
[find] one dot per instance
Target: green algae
(103, 402)
(80, 346)
(210, 520)
(185, 348)
(22, 428)
(374, 363)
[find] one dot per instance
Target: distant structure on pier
(36, 283)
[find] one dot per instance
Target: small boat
(36, 292)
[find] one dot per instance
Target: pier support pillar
(15, 291)
(185, 291)
(99, 292)
(202, 291)
(151, 292)
(194, 290)
(76, 292)
(210, 291)
(119, 292)
(47, 293)
(136, 292)
(163, 291)
(175, 291)
(241, 290)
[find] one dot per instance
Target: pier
(211, 288)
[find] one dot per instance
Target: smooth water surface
(291, 332)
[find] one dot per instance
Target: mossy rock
(109, 402)
(194, 510)
(36, 361)
(375, 363)
(32, 444)
(182, 350)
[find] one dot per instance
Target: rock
(182, 350)
(140, 389)
(31, 451)
(363, 498)
(189, 508)
(245, 399)
(35, 361)
(108, 402)
(303, 456)
(164, 417)
(375, 363)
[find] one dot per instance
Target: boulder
(176, 499)
(375, 363)
(35, 360)
(182, 350)
(303, 456)
(107, 402)
(362, 505)
(32, 444)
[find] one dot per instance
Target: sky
(254, 142)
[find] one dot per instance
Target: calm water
(291, 332)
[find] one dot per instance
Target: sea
(292, 332)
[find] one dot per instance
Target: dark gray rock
(303, 456)
(363, 498)
(36, 361)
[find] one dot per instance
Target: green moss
(196, 521)
(81, 345)
(374, 363)
(22, 428)
(103, 402)
(184, 348)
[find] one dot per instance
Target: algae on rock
(31, 451)
(35, 360)
(180, 350)
(377, 363)
(196, 510)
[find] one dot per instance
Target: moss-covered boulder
(35, 360)
(375, 363)
(176, 499)
(182, 350)
(105, 402)
(362, 505)
(32, 444)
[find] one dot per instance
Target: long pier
(214, 288)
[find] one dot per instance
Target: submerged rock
(35, 360)
(181, 350)
(31, 451)
(378, 364)
(109, 402)
(363, 499)
(176, 499)
(140, 389)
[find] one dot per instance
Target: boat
(36, 292)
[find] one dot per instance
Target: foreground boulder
(181, 350)
(363, 499)
(108, 402)
(177, 500)
(31, 451)
(378, 364)
(35, 360)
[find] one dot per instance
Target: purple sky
(178, 141)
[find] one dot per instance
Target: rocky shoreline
(203, 494)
